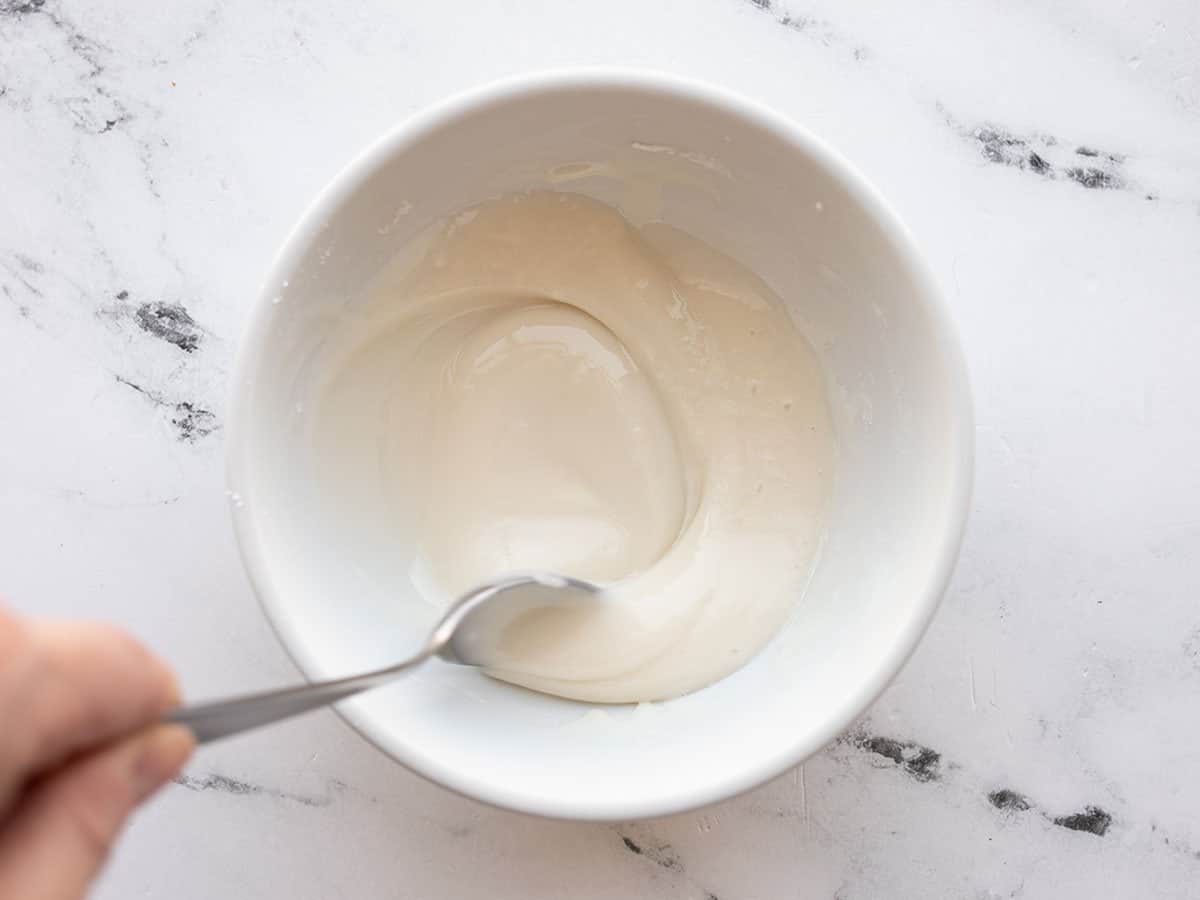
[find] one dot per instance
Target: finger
(63, 827)
(68, 686)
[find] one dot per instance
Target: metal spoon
(466, 635)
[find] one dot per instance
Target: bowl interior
(750, 184)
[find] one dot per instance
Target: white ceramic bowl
(779, 200)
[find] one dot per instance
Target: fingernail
(162, 754)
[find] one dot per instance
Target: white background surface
(157, 153)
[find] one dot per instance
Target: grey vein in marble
(90, 97)
(169, 322)
(919, 762)
(98, 110)
(1039, 154)
(1045, 156)
(191, 421)
(223, 784)
(924, 765)
(1092, 819)
(662, 855)
(21, 268)
(817, 29)
(638, 841)
(1008, 800)
(20, 7)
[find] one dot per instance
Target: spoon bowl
(473, 630)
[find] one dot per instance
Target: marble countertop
(1045, 739)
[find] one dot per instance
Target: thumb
(61, 831)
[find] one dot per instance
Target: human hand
(80, 747)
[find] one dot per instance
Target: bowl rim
(412, 130)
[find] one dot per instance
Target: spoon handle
(220, 718)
